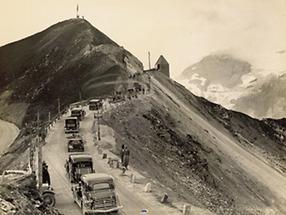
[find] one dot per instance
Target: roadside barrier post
(164, 199)
(144, 212)
(187, 209)
(148, 188)
(133, 178)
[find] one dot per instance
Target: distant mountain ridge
(232, 83)
(219, 69)
(267, 99)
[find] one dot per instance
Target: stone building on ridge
(162, 66)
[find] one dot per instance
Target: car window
(101, 186)
(83, 171)
(76, 141)
(70, 121)
(84, 164)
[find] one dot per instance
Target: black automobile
(78, 165)
(75, 145)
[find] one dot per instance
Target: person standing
(45, 174)
(122, 153)
(126, 156)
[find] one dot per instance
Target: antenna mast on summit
(149, 60)
(77, 9)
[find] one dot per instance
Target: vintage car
(77, 165)
(71, 125)
(95, 104)
(75, 144)
(95, 194)
(78, 112)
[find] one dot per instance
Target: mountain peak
(74, 53)
(63, 41)
(73, 31)
(77, 31)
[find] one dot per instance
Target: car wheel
(49, 199)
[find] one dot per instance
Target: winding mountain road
(131, 195)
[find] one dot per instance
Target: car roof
(76, 109)
(76, 138)
(80, 157)
(96, 178)
(71, 117)
(94, 100)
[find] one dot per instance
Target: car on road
(71, 125)
(95, 104)
(75, 144)
(117, 99)
(78, 112)
(95, 194)
(78, 164)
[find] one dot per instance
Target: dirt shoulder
(8, 133)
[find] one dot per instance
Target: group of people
(125, 155)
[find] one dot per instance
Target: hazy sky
(182, 30)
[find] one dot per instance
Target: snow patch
(197, 77)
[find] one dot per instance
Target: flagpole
(77, 9)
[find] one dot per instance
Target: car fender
(48, 191)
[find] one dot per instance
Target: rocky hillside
(20, 196)
(69, 60)
(172, 144)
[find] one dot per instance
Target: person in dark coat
(122, 152)
(126, 156)
(45, 174)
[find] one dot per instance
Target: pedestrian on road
(45, 174)
(126, 156)
(122, 152)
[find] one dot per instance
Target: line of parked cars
(93, 192)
